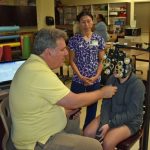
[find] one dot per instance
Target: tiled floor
(139, 65)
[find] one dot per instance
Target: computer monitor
(8, 70)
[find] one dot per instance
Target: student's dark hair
(102, 18)
(84, 13)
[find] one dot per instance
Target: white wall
(142, 17)
(44, 8)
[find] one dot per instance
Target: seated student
(37, 99)
(122, 116)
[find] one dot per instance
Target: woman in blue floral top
(86, 54)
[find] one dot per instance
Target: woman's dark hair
(83, 13)
(102, 18)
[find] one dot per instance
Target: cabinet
(100, 9)
(118, 14)
(86, 8)
(70, 13)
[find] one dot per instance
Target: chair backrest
(6, 119)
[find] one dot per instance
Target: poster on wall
(20, 15)
(3, 2)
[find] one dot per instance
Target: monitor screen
(8, 70)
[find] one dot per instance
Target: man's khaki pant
(65, 140)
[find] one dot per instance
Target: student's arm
(105, 112)
(106, 105)
(135, 105)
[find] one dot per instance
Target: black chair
(7, 122)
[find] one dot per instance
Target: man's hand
(108, 91)
(73, 114)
